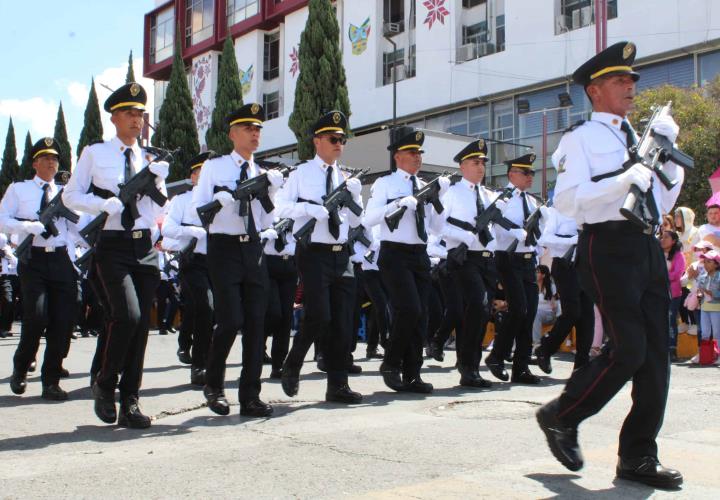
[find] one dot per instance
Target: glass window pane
(709, 67)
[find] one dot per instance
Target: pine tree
(176, 127)
(26, 170)
(61, 138)
(9, 167)
(130, 76)
(92, 130)
(321, 85)
(228, 98)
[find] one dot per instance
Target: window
(477, 33)
(500, 33)
(393, 63)
(162, 31)
(454, 122)
(467, 4)
(503, 119)
(271, 103)
(483, 30)
(478, 121)
(239, 10)
(709, 67)
(679, 72)
(199, 15)
(575, 14)
(160, 89)
(393, 12)
(271, 57)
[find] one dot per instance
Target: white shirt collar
(238, 159)
(404, 175)
(120, 146)
(40, 183)
(321, 163)
(467, 183)
(607, 118)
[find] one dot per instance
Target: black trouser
(96, 285)
(476, 280)
(47, 282)
(91, 312)
(518, 278)
(281, 297)
(452, 306)
(329, 297)
(624, 272)
(167, 304)
(128, 271)
(197, 323)
(406, 274)
(360, 299)
(376, 292)
(7, 301)
(240, 283)
(577, 311)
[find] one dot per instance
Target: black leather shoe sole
(184, 357)
(135, 422)
(290, 382)
(219, 406)
(104, 405)
(475, 383)
(18, 386)
(497, 370)
(256, 412)
(54, 394)
(345, 396)
(546, 423)
(393, 381)
(663, 482)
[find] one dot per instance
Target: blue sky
(50, 51)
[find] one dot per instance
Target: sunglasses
(527, 173)
(334, 140)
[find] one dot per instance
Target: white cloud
(78, 93)
(36, 114)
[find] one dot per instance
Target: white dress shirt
(182, 213)
(595, 148)
(22, 201)
(103, 165)
(225, 172)
(513, 211)
(307, 182)
(559, 233)
(459, 203)
(384, 194)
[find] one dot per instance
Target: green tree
(176, 127)
(321, 84)
(61, 138)
(92, 130)
(228, 98)
(697, 112)
(9, 166)
(130, 76)
(26, 170)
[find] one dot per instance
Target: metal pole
(544, 157)
(598, 27)
(604, 13)
(394, 80)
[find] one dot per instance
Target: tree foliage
(130, 75)
(9, 167)
(92, 130)
(26, 170)
(61, 138)
(228, 98)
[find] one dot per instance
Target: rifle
(139, 185)
(281, 227)
(244, 192)
(532, 228)
(54, 210)
(430, 193)
(333, 202)
(651, 152)
(357, 233)
(185, 254)
(568, 256)
(83, 262)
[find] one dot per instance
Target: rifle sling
(105, 194)
(608, 175)
(461, 224)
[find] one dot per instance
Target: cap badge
(628, 50)
(336, 118)
(418, 136)
(532, 157)
(255, 108)
(48, 141)
(481, 144)
(134, 89)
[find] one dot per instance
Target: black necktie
(125, 218)
(478, 201)
(419, 212)
(44, 203)
(246, 207)
(629, 134)
(333, 226)
(526, 208)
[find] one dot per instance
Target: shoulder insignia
(574, 126)
(561, 164)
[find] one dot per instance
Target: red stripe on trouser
(601, 308)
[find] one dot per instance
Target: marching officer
(474, 272)
(403, 260)
(621, 267)
(516, 270)
(125, 259)
(47, 276)
(182, 223)
(236, 265)
(8, 286)
(324, 263)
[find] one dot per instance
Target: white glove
(224, 198)
(33, 227)
(444, 183)
(354, 186)
(519, 234)
(159, 168)
(194, 232)
(275, 178)
(666, 126)
(467, 237)
(112, 206)
(316, 211)
(638, 175)
(409, 201)
(269, 234)
(434, 261)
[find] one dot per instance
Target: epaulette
(96, 141)
(574, 126)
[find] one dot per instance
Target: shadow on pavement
(565, 488)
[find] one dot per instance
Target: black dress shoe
(290, 380)
(321, 365)
(267, 360)
(276, 373)
(64, 373)
(171, 329)
(543, 360)
(197, 376)
(32, 366)
(255, 408)
(354, 369)
(373, 354)
(343, 394)
(648, 470)
(524, 377)
(472, 378)
(435, 351)
(391, 377)
(18, 382)
(104, 404)
(497, 368)
(216, 400)
(184, 357)
(561, 439)
(54, 393)
(419, 386)
(73, 335)
(3, 334)
(162, 331)
(131, 416)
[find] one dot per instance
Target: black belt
(616, 226)
(406, 247)
(328, 247)
(480, 253)
(137, 234)
(523, 255)
(237, 238)
(279, 257)
(42, 250)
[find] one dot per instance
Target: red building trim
(270, 15)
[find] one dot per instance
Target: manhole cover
(487, 409)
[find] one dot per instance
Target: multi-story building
(497, 69)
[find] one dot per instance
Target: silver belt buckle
(285, 257)
(244, 238)
(49, 249)
(136, 235)
(337, 248)
(486, 254)
(527, 256)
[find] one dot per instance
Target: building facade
(497, 69)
